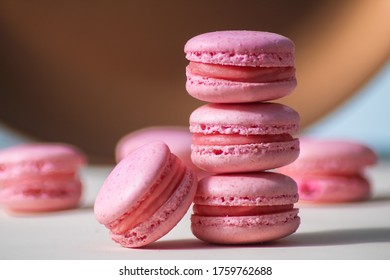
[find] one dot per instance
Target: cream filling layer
(242, 73)
(208, 210)
(237, 139)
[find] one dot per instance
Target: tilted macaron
(245, 208)
(40, 177)
(177, 138)
(243, 137)
(331, 170)
(238, 66)
(145, 195)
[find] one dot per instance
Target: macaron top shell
(241, 48)
(249, 118)
(331, 156)
(249, 189)
(131, 181)
(40, 151)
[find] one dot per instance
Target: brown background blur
(89, 72)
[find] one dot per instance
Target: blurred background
(89, 72)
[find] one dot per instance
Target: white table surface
(343, 231)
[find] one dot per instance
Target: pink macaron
(245, 208)
(330, 170)
(40, 177)
(239, 66)
(243, 137)
(145, 195)
(177, 138)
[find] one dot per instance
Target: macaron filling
(237, 139)
(216, 229)
(246, 74)
(236, 129)
(211, 210)
(147, 205)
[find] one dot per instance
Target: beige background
(88, 72)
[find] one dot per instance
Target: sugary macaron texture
(177, 138)
(332, 170)
(145, 195)
(40, 177)
(240, 66)
(243, 137)
(245, 208)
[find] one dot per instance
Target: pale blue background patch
(365, 117)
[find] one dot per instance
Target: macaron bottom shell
(245, 229)
(225, 91)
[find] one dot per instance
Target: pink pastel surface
(145, 195)
(177, 138)
(40, 177)
(276, 122)
(241, 47)
(272, 193)
(330, 170)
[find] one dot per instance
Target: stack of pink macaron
(239, 135)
